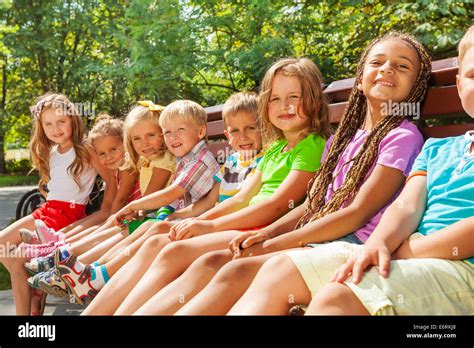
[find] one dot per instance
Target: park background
(105, 55)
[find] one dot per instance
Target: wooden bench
(441, 103)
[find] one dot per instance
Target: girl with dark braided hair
(364, 167)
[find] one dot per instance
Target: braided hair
(352, 120)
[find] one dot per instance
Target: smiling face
(465, 82)
(146, 138)
(57, 127)
(243, 132)
(285, 106)
(390, 71)
(110, 150)
(181, 136)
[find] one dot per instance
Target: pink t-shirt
(397, 150)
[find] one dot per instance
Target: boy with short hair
(432, 270)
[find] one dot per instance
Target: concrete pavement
(9, 198)
(54, 305)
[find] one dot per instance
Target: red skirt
(59, 214)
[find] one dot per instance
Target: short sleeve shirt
(398, 150)
(449, 167)
(276, 165)
(194, 173)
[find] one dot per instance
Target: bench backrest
(441, 102)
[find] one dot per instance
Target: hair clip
(150, 105)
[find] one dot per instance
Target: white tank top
(62, 186)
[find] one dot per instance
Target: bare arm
(239, 201)
(373, 195)
(127, 181)
(291, 191)
(105, 209)
(153, 201)
(158, 181)
(454, 242)
(201, 206)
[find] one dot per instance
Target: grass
(4, 279)
(18, 180)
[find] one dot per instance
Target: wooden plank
(441, 101)
(446, 131)
(215, 129)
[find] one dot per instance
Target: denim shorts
(349, 238)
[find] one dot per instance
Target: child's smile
(390, 71)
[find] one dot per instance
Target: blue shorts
(349, 238)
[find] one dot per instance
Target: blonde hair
(240, 102)
(352, 120)
(105, 125)
(314, 104)
(467, 42)
(186, 110)
(138, 114)
(40, 145)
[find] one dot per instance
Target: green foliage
(109, 54)
(22, 166)
(18, 180)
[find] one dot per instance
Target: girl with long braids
(364, 167)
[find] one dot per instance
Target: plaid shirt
(194, 173)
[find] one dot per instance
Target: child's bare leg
(132, 247)
(177, 293)
(91, 230)
(9, 240)
(170, 263)
(124, 243)
(228, 285)
(277, 287)
(115, 291)
(336, 299)
(89, 242)
(80, 235)
(96, 252)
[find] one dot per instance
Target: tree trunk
(3, 168)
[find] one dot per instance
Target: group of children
(294, 216)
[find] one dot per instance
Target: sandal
(39, 297)
(40, 264)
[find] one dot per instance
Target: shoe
(77, 282)
(29, 237)
(47, 234)
(40, 264)
(32, 251)
(51, 284)
(40, 297)
(33, 281)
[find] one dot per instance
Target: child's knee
(173, 251)
(156, 242)
(235, 270)
(213, 260)
(333, 294)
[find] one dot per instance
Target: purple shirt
(397, 150)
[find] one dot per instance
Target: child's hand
(246, 240)
(126, 213)
(190, 228)
(371, 255)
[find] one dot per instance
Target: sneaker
(32, 251)
(52, 284)
(40, 264)
(29, 237)
(45, 233)
(77, 280)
